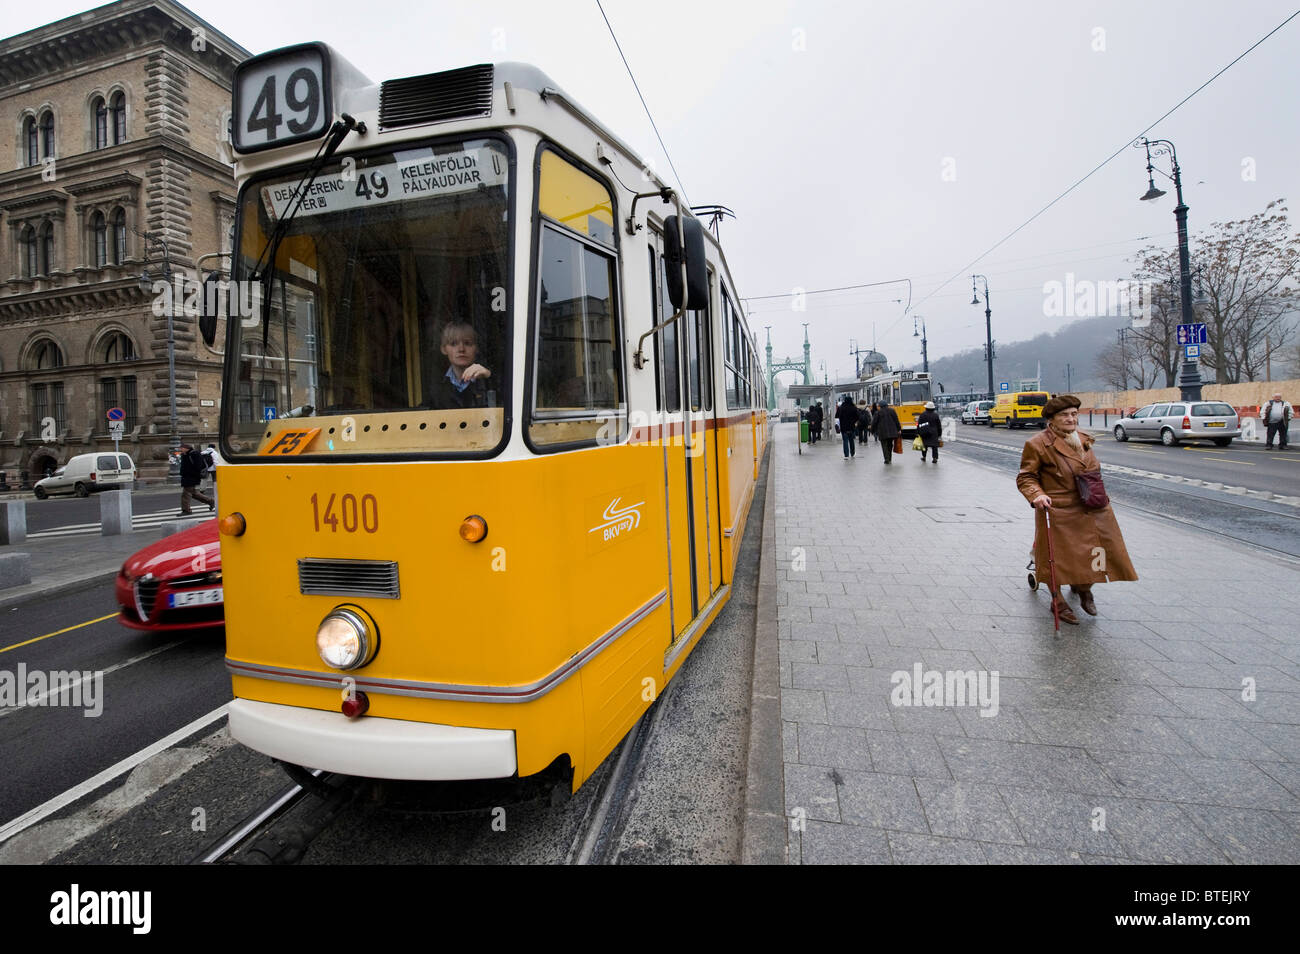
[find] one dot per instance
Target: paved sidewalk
(1126, 738)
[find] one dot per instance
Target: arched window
(100, 110)
(99, 229)
(47, 134)
(117, 117)
(46, 356)
(46, 262)
(118, 347)
(28, 251)
(119, 237)
(31, 142)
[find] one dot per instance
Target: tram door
(690, 482)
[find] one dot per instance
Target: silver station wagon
(1177, 421)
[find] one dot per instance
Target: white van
(87, 472)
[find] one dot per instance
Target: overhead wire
(680, 184)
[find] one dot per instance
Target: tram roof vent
(436, 97)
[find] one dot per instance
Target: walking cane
(1051, 571)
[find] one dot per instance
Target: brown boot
(1064, 612)
(1085, 599)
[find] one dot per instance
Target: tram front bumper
(372, 747)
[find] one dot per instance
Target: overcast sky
(866, 142)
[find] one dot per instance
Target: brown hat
(1059, 403)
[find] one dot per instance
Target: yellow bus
(905, 391)
(492, 427)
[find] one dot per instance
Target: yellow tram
(905, 391)
(486, 479)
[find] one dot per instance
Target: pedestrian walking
(193, 468)
(1276, 415)
(929, 428)
(846, 415)
(884, 423)
(212, 457)
(864, 423)
(871, 419)
(815, 417)
(1060, 472)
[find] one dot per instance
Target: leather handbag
(898, 445)
(1092, 492)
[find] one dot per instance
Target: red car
(174, 584)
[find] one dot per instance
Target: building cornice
(126, 154)
(110, 30)
(121, 181)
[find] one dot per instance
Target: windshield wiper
(344, 125)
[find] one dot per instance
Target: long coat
(929, 435)
(885, 423)
(1087, 544)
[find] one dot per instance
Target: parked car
(1177, 421)
(976, 412)
(87, 472)
(174, 584)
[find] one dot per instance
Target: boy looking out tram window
(465, 383)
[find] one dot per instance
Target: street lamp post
(146, 283)
(988, 324)
(925, 354)
(1189, 379)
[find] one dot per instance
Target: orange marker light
(473, 528)
(233, 525)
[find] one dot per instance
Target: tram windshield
(914, 392)
(389, 298)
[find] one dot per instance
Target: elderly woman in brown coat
(1086, 542)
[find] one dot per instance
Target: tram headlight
(347, 638)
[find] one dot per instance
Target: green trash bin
(803, 431)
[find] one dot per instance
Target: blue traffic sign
(1004, 386)
(1192, 351)
(116, 414)
(268, 413)
(1191, 334)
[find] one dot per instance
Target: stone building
(113, 126)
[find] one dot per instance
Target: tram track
(280, 830)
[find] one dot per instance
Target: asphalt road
(151, 686)
(60, 512)
(1239, 465)
(1273, 526)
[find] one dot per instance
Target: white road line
(41, 812)
(40, 699)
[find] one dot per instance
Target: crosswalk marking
(143, 522)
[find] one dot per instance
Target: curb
(764, 837)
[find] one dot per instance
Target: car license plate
(194, 598)
(1214, 424)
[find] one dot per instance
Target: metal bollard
(115, 512)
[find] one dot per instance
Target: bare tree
(1127, 365)
(1246, 272)
(1249, 268)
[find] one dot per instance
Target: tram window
(654, 320)
(577, 364)
(668, 346)
(692, 320)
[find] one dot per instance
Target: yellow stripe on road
(57, 632)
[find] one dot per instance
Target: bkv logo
(183, 295)
(618, 520)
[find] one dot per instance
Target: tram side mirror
(697, 277)
(209, 307)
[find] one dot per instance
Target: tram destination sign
(425, 177)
